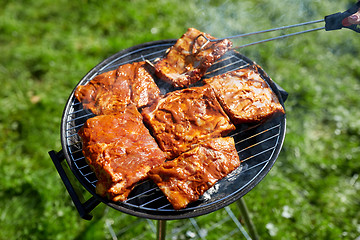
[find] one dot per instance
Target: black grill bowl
(258, 145)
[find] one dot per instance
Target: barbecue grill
(258, 145)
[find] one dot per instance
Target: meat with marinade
(186, 117)
(144, 90)
(186, 178)
(185, 63)
(245, 95)
(104, 94)
(120, 150)
(112, 91)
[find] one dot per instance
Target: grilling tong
(349, 19)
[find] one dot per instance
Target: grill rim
(162, 215)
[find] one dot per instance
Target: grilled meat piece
(144, 90)
(120, 150)
(186, 117)
(185, 63)
(245, 96)
(187, 177)
(104, 94)
(112, 91)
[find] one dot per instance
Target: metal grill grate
(257, 145)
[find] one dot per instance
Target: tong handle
(83, 208)
(336, 21)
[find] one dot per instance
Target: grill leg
(161, 229)
(245, 214)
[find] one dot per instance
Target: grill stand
(245, 214)
(161, 224)
(161, 229)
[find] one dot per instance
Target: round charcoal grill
(258, 146)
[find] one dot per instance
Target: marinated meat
(187, 177)
(104, 94)
(185, 63)
(120, 150)
(144, 90)
(245, 96)
(186, 117)
(112, 91)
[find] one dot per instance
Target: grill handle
(84, 208)
(284, 94)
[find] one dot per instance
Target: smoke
(228, 18)
(236, 17)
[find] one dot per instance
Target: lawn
(46, 47)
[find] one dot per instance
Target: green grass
(46, 47)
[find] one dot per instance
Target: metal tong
(332, 22)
